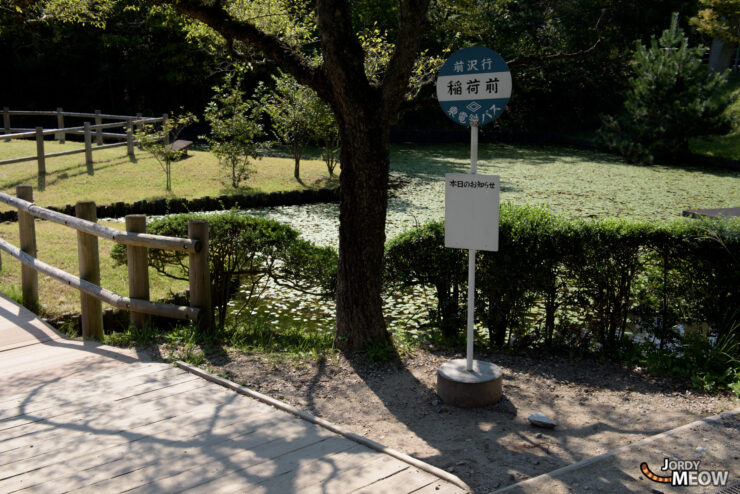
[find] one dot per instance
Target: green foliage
(327, 134)
(510, 280)
(155, 139)
(133, 336)
(260, 334)
(719, 19)
(419, 257)
(672, 98)
(244, 253)
(380, 351)
(294, 111)
(583, 286)
(603, 261)
(235, 127)
(707, 366)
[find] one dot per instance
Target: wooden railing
(137, 244)
(127, 123)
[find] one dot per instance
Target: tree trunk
(363, 201)
(297, 168)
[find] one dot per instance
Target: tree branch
(528, 59)
(344, 57)
(271, 46)
(411, 27)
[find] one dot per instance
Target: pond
(574, 183)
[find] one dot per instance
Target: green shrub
(672, 98)
(419, 257)
(245, 251)
(583, 285)
(602, 262)
(511, 280)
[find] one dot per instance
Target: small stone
(460, 463)
(539, 419)
(451, 469)
(435, 403)
(700, 449)
(538, 435)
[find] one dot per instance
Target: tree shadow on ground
(497, 436)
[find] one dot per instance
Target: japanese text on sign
(472, 184)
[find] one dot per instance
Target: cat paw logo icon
(685, 473)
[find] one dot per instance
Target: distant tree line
(570, 58)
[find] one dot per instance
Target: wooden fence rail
(88, 131)
(138, 243)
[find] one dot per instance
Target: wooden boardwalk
(84, 417)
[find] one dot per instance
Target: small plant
(235, 127)
(293, 110)
(380, 351)
(155, 140)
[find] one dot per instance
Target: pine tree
(672, 98)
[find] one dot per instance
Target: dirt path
(598, 407)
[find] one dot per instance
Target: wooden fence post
(88, 150)
(138, 269)
(139, 125)
(130, 138)
(27, 230)
(41, 158)
(98, 132)
(200, 279)
(88, 258)
(60, 136)
(6, 121)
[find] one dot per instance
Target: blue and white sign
(474, 85)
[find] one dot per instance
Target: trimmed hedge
(580, 284)
(207, 203)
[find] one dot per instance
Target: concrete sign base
(468, 389)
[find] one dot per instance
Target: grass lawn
(198, 175)
(57, 246)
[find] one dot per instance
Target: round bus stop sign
(474, 85)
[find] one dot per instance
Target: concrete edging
(438, 472)
(609, 454)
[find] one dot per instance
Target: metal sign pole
(471, 253)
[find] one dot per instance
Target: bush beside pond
(625, 289)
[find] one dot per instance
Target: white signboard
(471, 211)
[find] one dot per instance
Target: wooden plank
(288, 473)
(182, 421)
(33, 456)
(190, 471)
(81, 396)
(440, 487)
(196, 435)
(111, 372)
(405, 481)
(347, 479)
(25, 427)
(138, 239)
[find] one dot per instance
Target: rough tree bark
(364, 113)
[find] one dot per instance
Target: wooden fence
(137, 244)
(89, 131)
